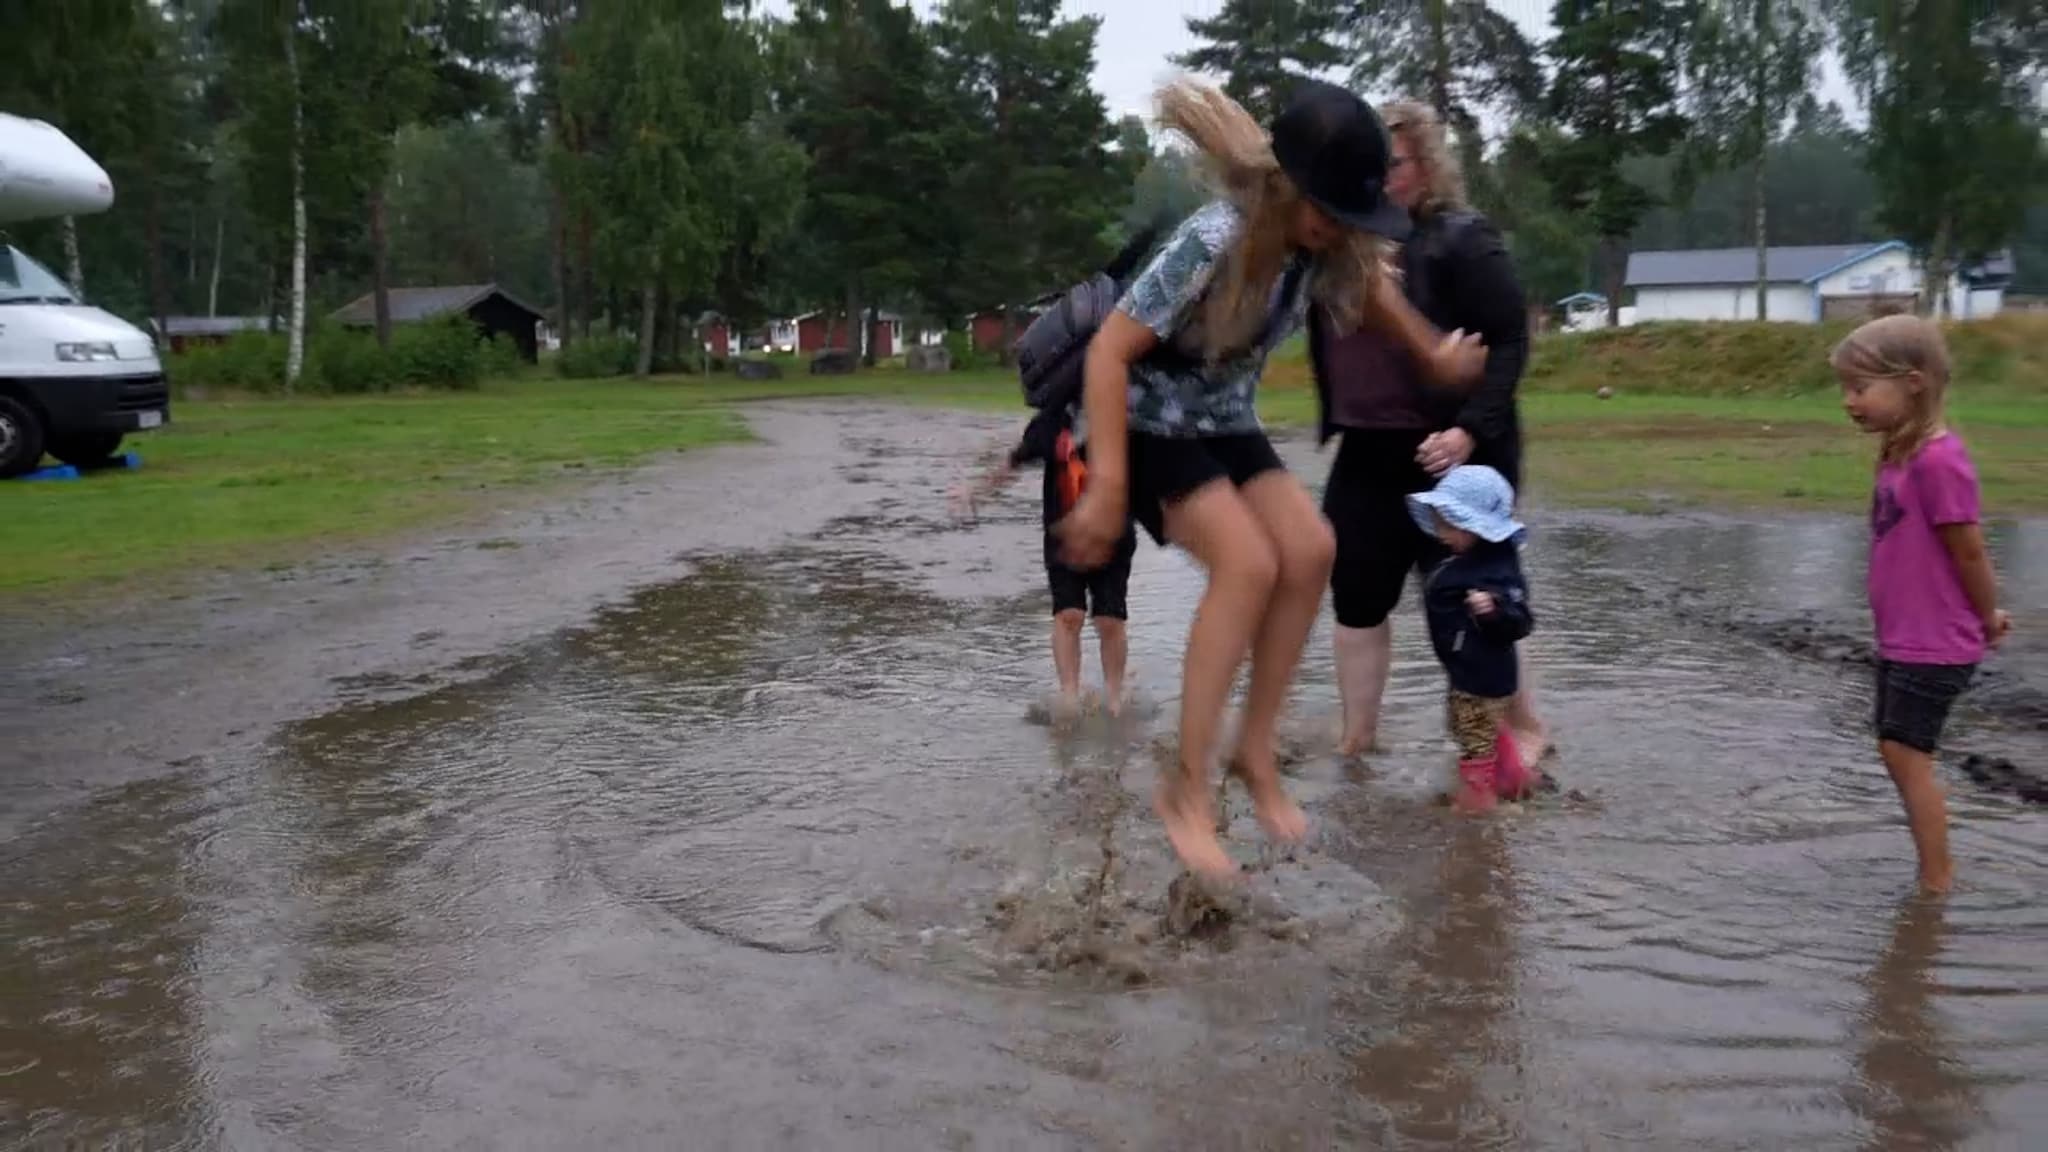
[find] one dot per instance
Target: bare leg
(1216, 526)
(1532, 735)
(1365, 658)
(1115, 640)
(1926, 811)
(1066, 654)
(1305, 548)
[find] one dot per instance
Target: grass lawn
(1635, 452)
(255, 482)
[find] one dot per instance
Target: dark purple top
(1374, 383)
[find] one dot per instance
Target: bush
(966, 357)
(348, 363)
(596, 357)
(442, 354)
(501, 357)
(245, 362)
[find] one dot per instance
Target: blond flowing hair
(1237, 160)
(1430, 145)
(1892, 348)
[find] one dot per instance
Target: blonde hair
(1891, 348)
(1429, 144)
(1237, 159)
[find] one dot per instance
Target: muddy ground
(708, 809)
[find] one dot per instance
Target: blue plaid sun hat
(1473, 497)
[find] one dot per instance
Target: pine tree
(1752, 60)
(1040, 188)
(1955, 124)
(1462, 57)
(1615, 90)
(1262, 48)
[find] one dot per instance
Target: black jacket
(1457, 273)
(1478, 653)
(1036, 446)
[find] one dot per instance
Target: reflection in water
(97, 1027)
(1449, 1074)
(1909, 1084)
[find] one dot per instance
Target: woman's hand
(1443, 451)
(1089, 533)
(1459, 358)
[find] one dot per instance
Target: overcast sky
(1140, 37)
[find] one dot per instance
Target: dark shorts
(1378, 543)
(1913, 701)
(1166, 469)
(1100, 593)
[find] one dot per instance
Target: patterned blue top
(1199, 399)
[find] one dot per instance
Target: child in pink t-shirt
(1933, 595)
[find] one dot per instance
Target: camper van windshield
(23, 281)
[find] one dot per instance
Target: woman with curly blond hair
(1173, 438)
(1404, 424)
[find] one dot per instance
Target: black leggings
(1378, 542)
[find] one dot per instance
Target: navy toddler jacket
(1478, 653)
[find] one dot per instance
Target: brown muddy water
(703, 811)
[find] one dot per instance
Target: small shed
(717, 335)
(985, 328)
(182, 332)
(494, 311)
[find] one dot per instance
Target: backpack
(1051, 352)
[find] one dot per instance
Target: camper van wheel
(21, 438)
(85, 449)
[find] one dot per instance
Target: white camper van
(73, 379)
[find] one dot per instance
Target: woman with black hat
(1174, 440)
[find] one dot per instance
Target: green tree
(1615, 91)
(860, 98)
(1955, 123)
(1553, 249)
(1041, 189)
(1752, 61)
(1462, 57)
(664, 92)
(1262, 48)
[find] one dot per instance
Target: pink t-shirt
(1923, 614)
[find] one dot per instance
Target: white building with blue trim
(1807, 283)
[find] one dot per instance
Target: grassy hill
(2005, 357)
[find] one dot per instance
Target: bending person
(1174, 440)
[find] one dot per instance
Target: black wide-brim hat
(1333, 146)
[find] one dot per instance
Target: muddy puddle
(664, 823)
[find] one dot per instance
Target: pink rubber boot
(1512, 779)
(1475, 785)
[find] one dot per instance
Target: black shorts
(1378, 542)
(1913, 701)
(1100, 593)
(1168, 469)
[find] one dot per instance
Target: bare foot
(1114, 700)
(1937, 883)
(1066, 708)
(1276, 811)
(1191, 829)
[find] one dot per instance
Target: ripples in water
(775, 840)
